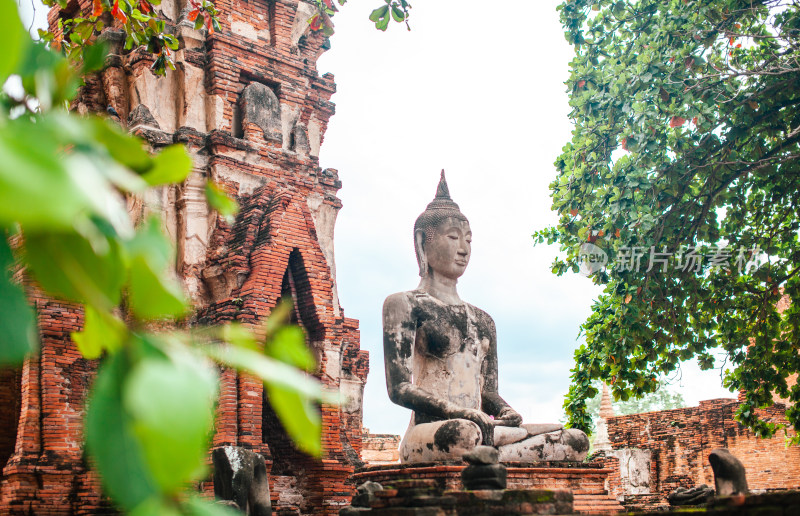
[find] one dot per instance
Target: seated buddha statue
(441, 359)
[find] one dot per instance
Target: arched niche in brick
(10, 401)
(286, 459)
(295, 286)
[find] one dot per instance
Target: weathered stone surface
(634, 470)
(481, 502)
(482, 455)
(142, 117)
(484, 476)
(240, 475)
(259, 105)
(694, 496)
(588, 481)
(785, 503)
(567, 444)
(451, 347)
(300, 137)
(365, 494)
(729, 473)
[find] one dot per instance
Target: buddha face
(447, 252)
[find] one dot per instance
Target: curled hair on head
(440, 209)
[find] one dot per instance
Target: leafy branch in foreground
(64, 181)
(685, 146)
(397, 10)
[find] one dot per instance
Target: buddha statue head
(442, 236)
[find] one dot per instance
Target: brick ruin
(380, 449)
(252, 110)
(654, 453)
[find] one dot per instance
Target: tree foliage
(64, 181)
(685, 151)
(142, 22)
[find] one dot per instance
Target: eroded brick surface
(262, 149)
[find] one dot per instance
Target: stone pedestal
(586, 482)
(424, 497)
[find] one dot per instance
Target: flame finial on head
(442, 200)
(442, 192)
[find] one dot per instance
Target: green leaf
(196, 506)
(299, 417)
(269, 370)
(236, 334)
(383, 23)
(152, 295)
(94, 57)
(171, 402)
(226, 206)
(289, 346)
(151, 244)
(17, 320)
(124, 148)
(101, 332)
(137, 15)
(172, 42)
(398, 14)
(33, 174)
(156, 506)
(279, 316)
(66, 265)
(13, 38)
(110, 440)
(171, 165)
(47, 75)
(379, 13)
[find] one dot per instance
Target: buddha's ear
(419, 243)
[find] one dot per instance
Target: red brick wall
(240, 277)
(681, 439)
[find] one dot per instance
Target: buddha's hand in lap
(508, 417)
(482, 419)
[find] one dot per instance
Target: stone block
(240, 475)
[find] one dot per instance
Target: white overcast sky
(476, 88)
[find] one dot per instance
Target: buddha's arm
(491, 401)
(399, 332)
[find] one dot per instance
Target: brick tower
(252, 110)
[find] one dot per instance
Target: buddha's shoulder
(482, 317)
(401, 299)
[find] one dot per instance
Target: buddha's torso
(451, 343)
